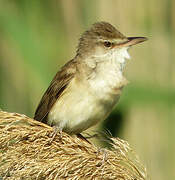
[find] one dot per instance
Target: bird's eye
(107, 44)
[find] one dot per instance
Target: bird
(86, 89)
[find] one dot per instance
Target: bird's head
(103, 42)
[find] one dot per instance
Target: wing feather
(54, 91)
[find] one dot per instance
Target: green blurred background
(38, 36)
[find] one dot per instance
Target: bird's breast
(108, 82)
(85, 102)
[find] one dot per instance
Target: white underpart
(109, 71)
(87, 102)
(119, 55)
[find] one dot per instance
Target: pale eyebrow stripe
(113, 40)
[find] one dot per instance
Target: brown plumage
(64, 76)
(54, 91)
(82, 93)
(99, 30)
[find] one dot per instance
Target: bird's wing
(54, 91)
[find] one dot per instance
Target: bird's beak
(136, 40)
(132, 41)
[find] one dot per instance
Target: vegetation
(37, 37)
(29, 152)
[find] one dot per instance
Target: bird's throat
(120, 57)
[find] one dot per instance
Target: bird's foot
(104, 158)
(54, 133)
(83, 138)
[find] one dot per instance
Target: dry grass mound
(26, 153)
